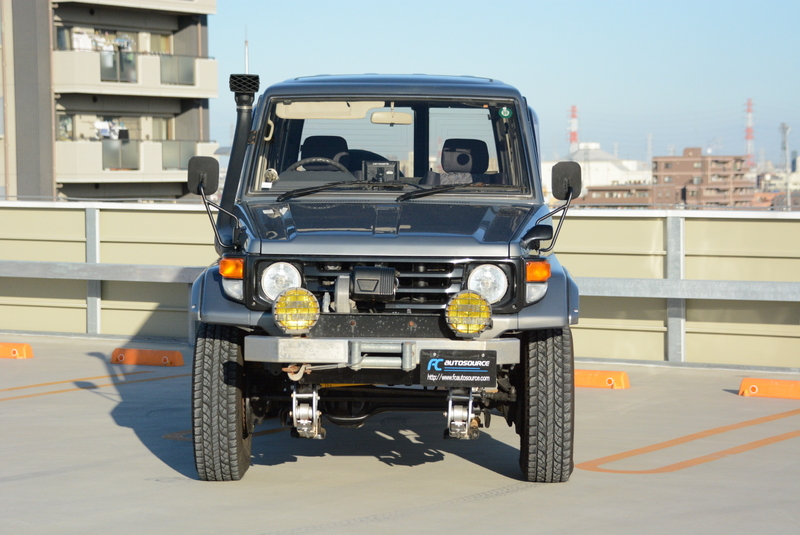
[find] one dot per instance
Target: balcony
(199, 7)
(130, 73)
(121, 154)
(117, 160)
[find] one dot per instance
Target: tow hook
(462, 422)
(306, 418)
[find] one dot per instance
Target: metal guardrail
(690, 289)
(674, 288)
(98, 272)
(589, 286)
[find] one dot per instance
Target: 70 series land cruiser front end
(382, 246)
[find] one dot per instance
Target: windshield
(389, 146)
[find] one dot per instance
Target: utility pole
(785, 129)
(573, 129)
(246, 52)
(749, 137)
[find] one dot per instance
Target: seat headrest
(323, 146)
(331, 147)
(465, 156)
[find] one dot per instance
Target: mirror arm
(237, 235)
(563, 209)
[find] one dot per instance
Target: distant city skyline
(680, 71)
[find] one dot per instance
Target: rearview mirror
(391, 117)
(566, 175)
(203, 171)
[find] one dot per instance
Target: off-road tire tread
(221, 449)
(546, 433)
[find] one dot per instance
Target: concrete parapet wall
(698, 287)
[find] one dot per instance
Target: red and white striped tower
(573, 129)
(748, 136)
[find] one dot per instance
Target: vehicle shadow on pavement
(153, 408)
(396, 439)
(159, 413)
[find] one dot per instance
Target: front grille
(422, 285)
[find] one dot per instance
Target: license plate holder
(455, 368)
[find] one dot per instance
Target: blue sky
(679, 70)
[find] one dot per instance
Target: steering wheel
(317, 159)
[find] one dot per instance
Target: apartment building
(692, 179)
(698, 179)
(104, 98)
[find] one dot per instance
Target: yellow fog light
(296, 310)
(468, 313)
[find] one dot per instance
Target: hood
(394, 229)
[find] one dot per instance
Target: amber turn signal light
(232, 268)
(537, 271)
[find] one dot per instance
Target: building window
(118, 128)
(160, 43)
(655, 166)
(66, 128)
(655, 180)
(161, 129)
(62, 38)
(698, 165)
(667, 165)
(696, 180)
(667, 179)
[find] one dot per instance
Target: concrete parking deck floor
(92, 447)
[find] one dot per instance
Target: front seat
(464, 161)
(331, 147)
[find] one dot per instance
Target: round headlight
(468, 313)
(278, 277)
(296, 310)
(488, 280)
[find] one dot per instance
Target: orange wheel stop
(146, 357)
(770, 388)
(16, 351)
(601, 379)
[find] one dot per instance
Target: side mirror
(536, 234)
(203, 171)
(566, 175)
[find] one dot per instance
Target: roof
(383, 84)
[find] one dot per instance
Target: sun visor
(326, 109)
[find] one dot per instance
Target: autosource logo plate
(453, 368)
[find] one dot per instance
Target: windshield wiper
(434, 190)
(314, 189)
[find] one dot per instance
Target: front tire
(546, 419)
(222, 439)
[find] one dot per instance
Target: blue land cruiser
(384, 246)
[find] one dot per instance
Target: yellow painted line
(91, 387)
(186, 436)
(70, 381)
(270, 431)
(594, 466)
